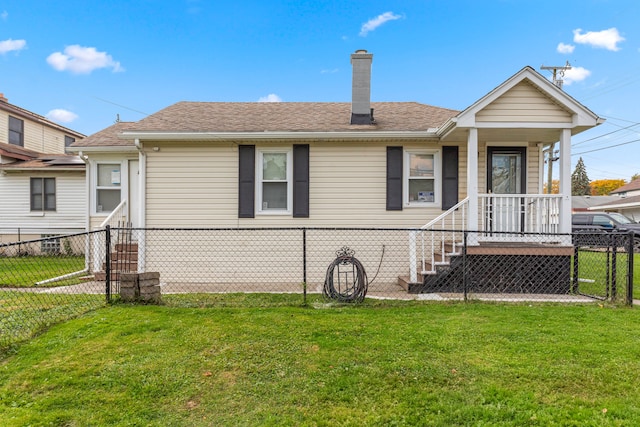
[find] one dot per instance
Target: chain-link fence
(48, 280)
(45, 281)
(345, 263)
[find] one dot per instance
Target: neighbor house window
(16, 131)
(108, 187)
(43, 194)
(421, 177)
(68, 140)
(274, 181)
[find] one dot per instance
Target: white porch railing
(432, 242)
(518, 213)
(503, 217)
(117, 216)
(115, 219)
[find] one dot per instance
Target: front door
(506, 178)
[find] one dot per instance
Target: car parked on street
(591, 228)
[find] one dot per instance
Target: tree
(602, 187)
(635, 176)
(555, 187)
(579, 180)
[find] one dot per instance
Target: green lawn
(593, 272)
(25, 271)
(376, 364)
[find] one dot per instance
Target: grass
(374, 364)
(593, 268)
(26, 271)
(23, 315)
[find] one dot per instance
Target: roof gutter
(266, 135)
(448, 127)
(613, 206)
(105, 149)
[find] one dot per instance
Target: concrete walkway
(97, 288)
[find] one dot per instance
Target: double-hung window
(421, 175)
(43, 194)
(16, 131)
(68, 140)
(274, 174)
(108, 187)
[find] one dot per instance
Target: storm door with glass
(506, 177)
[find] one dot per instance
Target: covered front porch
(506, 134)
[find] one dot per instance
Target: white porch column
(565, 181)
(472, 179)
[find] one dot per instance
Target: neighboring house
(358, 164)
(627, 201)
(584, 203)
(43, 189)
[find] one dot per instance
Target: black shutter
(449, 177)
(394, 178)
(301, 181)
(247, 178)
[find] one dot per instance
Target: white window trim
(437, 178)
(96, 187)
(259, 154)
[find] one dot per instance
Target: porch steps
(123, 260)
(434, 276)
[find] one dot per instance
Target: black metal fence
(48, 280)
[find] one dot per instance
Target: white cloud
(4, 15)
(332, 71)
(61, 116)
(575, 74)
(82, 60)
(374, 23)
(272, 97)
(565, 48)
(11, 45)
(607, 39)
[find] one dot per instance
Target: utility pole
(551, 157)
(558, 74)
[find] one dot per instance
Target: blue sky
(83, 63)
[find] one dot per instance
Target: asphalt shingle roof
(633, 185)
(274, 117)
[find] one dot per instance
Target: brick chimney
(2, 98)
(361, 111)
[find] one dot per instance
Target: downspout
(87, 189)
(87, 175)
(142, 205)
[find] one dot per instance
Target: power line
(607, 134)
(605, 148)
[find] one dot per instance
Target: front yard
(375, 364)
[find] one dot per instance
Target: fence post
(107, 258)
(304, 265)
(630, 249)
(465, 273)
(614, 269)
(576, 269)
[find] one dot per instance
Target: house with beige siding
(358, 164)
(43, 189)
